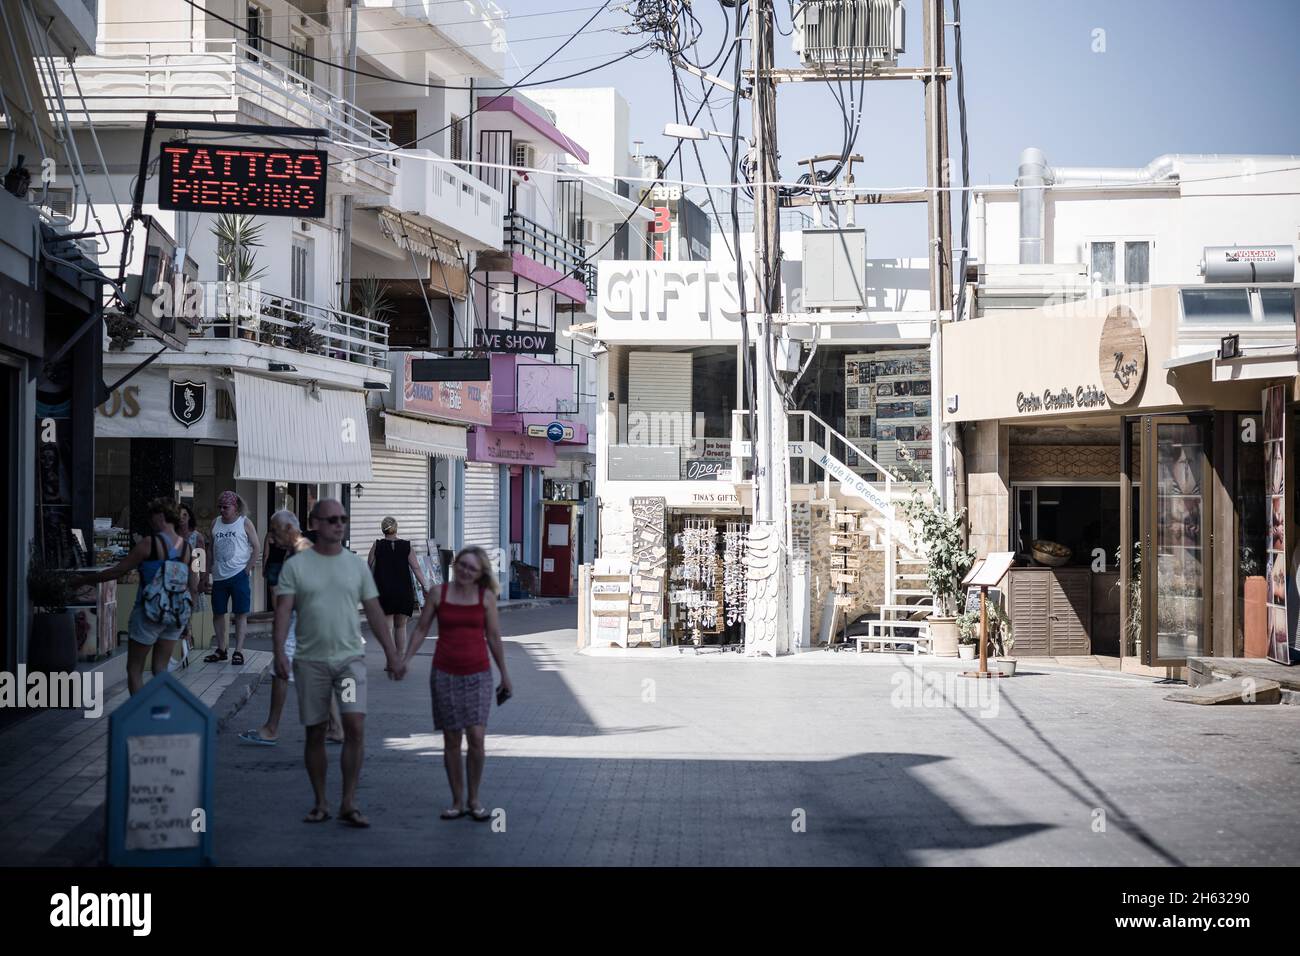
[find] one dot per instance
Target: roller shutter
(400, 487)
(659, 388)
(482, 504)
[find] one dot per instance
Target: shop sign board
(707, 469)
(1121, 356)
(242, 178)
(510, 448)
(515, 342)
(463, 402)
(22, 316)
(157, 405)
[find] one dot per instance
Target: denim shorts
(141, 630)
(236, 590)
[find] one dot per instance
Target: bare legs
(397, 625)
(241, 628)
(456, 769)
(354, 740)
(279, 693)
(137, 654)
(219, 631)
(314, 757)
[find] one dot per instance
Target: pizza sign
(256, 180)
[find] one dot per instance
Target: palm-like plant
(370, 299)
(237, 236)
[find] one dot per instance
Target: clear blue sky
(1191, 76)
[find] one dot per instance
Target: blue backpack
(167, 598)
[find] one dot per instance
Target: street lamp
(682, 131)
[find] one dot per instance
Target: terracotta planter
(52, 646)
(944, 634)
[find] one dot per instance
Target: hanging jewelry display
(733, 571)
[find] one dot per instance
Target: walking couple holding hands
(322, 586)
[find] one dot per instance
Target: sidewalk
(54, 765)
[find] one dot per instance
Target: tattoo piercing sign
(235, 178)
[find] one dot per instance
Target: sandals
(317, 815)
(481, 814)
(453, 813)
(255, 737)
(353, 818)
(218, 655)
(237, 658)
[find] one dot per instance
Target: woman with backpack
(166, 595)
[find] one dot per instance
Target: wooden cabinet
(1050, 611)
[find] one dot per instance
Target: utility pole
(768, 627)
(938, 205)
(350, 94)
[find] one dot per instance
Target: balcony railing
(290, 323)
(126, 78)
(447, 195)
(542, 245)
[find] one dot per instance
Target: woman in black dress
(392, 561)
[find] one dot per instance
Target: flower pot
(52, 645)
(966, 652)
(1007, 665)
(944, 634)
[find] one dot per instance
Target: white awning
(287, 434)
(423, 438)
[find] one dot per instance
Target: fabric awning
(418, 437)
(287, 434)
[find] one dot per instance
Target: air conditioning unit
(525, 155)
(849, 33)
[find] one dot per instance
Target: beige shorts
(317, 680)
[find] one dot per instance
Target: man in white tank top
(235, 547)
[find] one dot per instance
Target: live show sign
(515, 342)
(256, 180)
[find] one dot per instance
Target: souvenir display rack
(706, 580)
(847, 544)
(887, 402)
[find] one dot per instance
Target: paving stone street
(821, 759)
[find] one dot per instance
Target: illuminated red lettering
(305, 197)
(229, 193)
(176, 153)
(201, 162)
(286, 165)
(308, 159)
(226, 156)
(253, 156)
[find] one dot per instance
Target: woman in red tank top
(461, 677)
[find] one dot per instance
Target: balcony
(542, 256)
(446, 199)
(223, 80)
(323, 342)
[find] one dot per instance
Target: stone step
(1238, 690)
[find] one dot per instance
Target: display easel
(987, 573)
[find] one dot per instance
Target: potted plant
(237, 235)
(52, 644)
(940, 536)
(1002, 638)
(968, 628)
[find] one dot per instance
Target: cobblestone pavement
(821, 759)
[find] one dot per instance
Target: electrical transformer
(848, 33)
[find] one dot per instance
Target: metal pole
(769, 627)
(936, 139)
(350, 95)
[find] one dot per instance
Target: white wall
(1213, 205)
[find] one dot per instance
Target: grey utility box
(835, 268)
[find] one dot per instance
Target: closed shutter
(659, 396)
(482, 505)
(400, 487)
(1071, 612)
(1028, 607)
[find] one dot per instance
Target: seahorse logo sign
(189, 402)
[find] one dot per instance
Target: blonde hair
(388, 524)
(486, 577)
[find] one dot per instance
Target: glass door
(1175, 539)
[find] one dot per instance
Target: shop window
(1084, 518)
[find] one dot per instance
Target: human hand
(282, 665)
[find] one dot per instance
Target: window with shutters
(403, 126)
(254, 25)
(300, 280)
(457, 140)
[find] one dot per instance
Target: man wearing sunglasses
(325, 585)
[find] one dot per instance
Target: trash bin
(527, 577)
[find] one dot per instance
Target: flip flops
(481, 814)
(451, 814)
(255, 737)
(317, 815)
(353, 818)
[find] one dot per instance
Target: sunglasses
(334, 519)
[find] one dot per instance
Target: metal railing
(200, 73)
(285, 322)
(542, 245)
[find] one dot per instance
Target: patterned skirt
(460, 700)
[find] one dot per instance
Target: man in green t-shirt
(325, 585)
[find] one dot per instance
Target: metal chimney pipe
(1032, 181)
